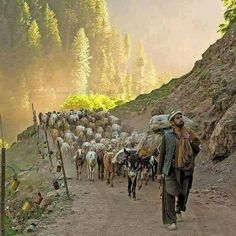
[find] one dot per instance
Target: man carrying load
(176, 164)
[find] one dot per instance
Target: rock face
(222, 140)
(208, 96)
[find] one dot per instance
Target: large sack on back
(158, 122)
(149, 144)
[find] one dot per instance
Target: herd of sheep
(97, 138)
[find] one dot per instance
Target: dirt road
(104, 211)
(99, 210)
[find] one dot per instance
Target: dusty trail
(100, 210)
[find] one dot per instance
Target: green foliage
(8, 227)
(224, 83)
(92, 102)
(51, 49)
(101, 24)
(156, 95)
(51, 24)
(229, 15)
(6, 145)
(105, 83)
(34, 36)
(22, 25)
(25, 17)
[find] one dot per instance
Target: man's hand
(160, 178)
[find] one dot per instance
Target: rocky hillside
(207, 94)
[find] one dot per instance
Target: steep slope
(207, 94)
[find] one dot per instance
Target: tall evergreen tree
(81, 65)
(34, 36)
(100, 24)
(86, 11)
(23, 24)
(53, 38)
(70, 26)
(151, 77)
(25, 17)
(128, 86)
(138, 77)
(104, 84)
(127, 46)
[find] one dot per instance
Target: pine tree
(81, 65)
(127, 46)
(138, 77)
(34, 36)
(127, 86)
(52, 32)
(22, 26)
(100, 25)
(107, 75)
(104, 81)
(112, 71)
(94, 16)
(70, 26)
(151, 78)
(86, 11)
(114, 47)
(25, 17)
(127, 49)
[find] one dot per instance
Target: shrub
(92, 102)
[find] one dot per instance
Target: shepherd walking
(176, 164)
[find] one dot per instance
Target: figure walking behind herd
(164, 153)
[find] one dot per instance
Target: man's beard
(180, 125)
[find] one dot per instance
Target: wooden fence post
(49, 151)
(3, 180)
(63, 169)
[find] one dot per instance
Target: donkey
(133, 165)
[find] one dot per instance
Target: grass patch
(8, 227)
(156, 95)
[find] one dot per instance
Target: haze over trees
(51, 49)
